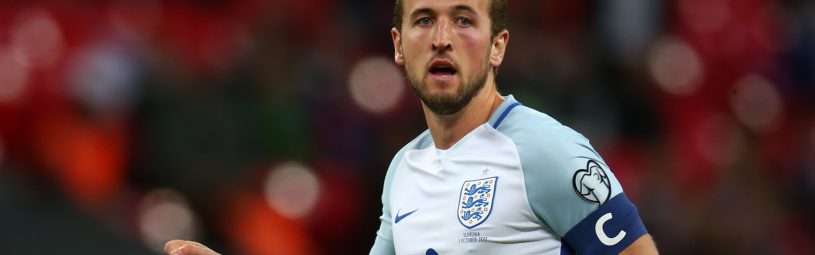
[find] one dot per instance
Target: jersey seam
(517, 155)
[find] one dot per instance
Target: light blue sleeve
(569, 186)
(554, 157)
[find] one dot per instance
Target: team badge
(476, 200)
(592, 184)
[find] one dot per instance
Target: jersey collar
(503, 109)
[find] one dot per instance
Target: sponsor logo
(403, 216)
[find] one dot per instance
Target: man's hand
(181, 247)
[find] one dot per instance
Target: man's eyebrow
(421, 11)
(454, 9)
(464, 8)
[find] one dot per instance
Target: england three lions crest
(475, 201)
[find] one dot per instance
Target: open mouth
(442, 67)
(443, 70)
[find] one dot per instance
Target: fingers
(181, 247)
(172, 245)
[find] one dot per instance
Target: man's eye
(463, 21)
(424, 21)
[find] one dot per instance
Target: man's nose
(441, 37)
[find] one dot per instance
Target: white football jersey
(522, 183)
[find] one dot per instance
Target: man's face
(447, 50)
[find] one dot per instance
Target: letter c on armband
(598, 228)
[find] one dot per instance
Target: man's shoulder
(536, 132)
(423, 140)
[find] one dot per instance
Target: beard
(446, 103)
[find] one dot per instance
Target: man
(490, 176)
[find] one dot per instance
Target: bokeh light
(292, 189)
(38, 36)
(756, 103)
(13, 75)
(165, 215)
(675, 66)
(103, 77)
(376, 84)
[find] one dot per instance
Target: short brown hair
(498, 15)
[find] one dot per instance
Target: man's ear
(398, 55)
(499, 47)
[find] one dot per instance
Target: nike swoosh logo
(400, 217)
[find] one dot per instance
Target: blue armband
(608, 230)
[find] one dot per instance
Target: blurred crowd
(266, 127)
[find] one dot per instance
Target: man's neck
(447, 130)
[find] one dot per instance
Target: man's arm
(572, 190)
(643, 245)
(383, 244)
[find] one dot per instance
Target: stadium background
(266, 127)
